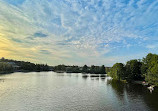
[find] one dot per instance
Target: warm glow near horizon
(78, 32)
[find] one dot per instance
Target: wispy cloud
(45, 52)
(152, 46)
(80, 31)
(39, 34)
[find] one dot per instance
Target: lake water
(49, 91)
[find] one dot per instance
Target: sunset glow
(78, 31)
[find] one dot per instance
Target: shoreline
(5, 72)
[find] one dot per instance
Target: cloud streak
(40, 34)
(80, 31)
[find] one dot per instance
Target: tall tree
(85, 69)
(133, 70)
(152, 68)
(102, 69)
(117, 71)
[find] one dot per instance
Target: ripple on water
(48, 91)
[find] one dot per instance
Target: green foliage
(92, 69)
(5, 67)
(147, 69)
(151, 59)
(107, 69)
(60, 68)
(152, 69)
(97, 69)
(76, 69)
(152, 75)
(85, 69)
(102, 69)
(143, 70)
(13, 65)
(133, 70)
(73, 69)
(117, 71)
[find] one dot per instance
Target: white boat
(151, 88)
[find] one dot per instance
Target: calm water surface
(49, 91)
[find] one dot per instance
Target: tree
(92, 69)
(107, 69)
(102, 69)
(97, 69)
(5, 67)
(117, 71)
(60, 68)
(152, 75)
(143, 69)
(133, 70)
(85, 69)
(152, 69)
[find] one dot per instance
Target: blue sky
(78, 31)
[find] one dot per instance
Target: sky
(78, 32)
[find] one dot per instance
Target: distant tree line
(7, 65)
(84, 69)
(144, 69)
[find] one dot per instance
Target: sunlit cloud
(77, 31)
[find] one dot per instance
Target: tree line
(8, 65)
(142, 69)
(83, 69)
(5, 67)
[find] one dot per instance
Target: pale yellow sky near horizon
(77, 33)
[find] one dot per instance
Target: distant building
(13, 64)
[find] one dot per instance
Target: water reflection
(135, 93)
(103, 75)
(102, 78)
(118, 86)
(51, 91)
(84, 76)
(94, 75)
(152, 99)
